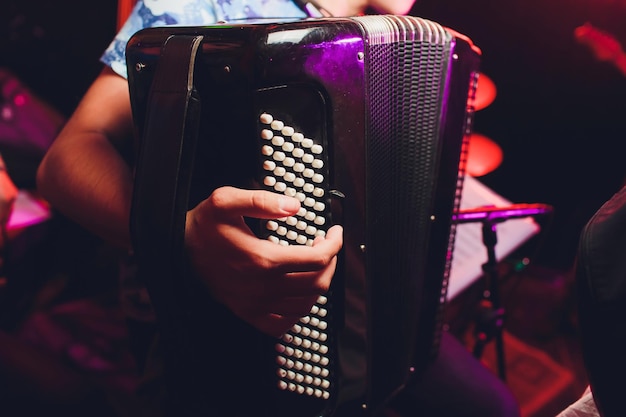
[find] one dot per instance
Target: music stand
(490, 321)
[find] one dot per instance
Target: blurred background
(555, 129)
(558, 118)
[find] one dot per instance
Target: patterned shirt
(151, 13)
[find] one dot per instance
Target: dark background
(54, 47)
(558, 116)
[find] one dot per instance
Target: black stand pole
(490, 320)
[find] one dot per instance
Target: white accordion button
(287, 131)
(277, 125)
(279, 156)
(266, 118)
(267, 134)
(278, 141)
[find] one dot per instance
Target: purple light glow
(498, 214)
(333, 57)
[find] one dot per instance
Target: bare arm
(83, 175)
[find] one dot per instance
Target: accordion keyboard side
(294, 159)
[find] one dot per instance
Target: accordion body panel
(384, 101)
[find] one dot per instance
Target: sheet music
(469, 251)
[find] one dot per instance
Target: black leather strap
(161, 193)
(163, 171)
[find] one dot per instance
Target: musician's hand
(268, 285)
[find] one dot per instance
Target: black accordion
(365, 121)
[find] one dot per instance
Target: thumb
(231, 201)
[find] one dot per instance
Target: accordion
(365, 120)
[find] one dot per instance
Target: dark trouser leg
(457, 385)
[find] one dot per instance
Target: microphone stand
(490, 320)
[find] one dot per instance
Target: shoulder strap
(161, 188)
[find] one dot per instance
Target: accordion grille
(408, 70)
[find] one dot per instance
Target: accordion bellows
(364, 120)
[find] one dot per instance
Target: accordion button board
(294, 163)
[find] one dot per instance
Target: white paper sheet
(470, 252)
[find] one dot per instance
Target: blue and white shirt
(151, 13)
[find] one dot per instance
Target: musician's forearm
(91, 185)
(83, 174)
